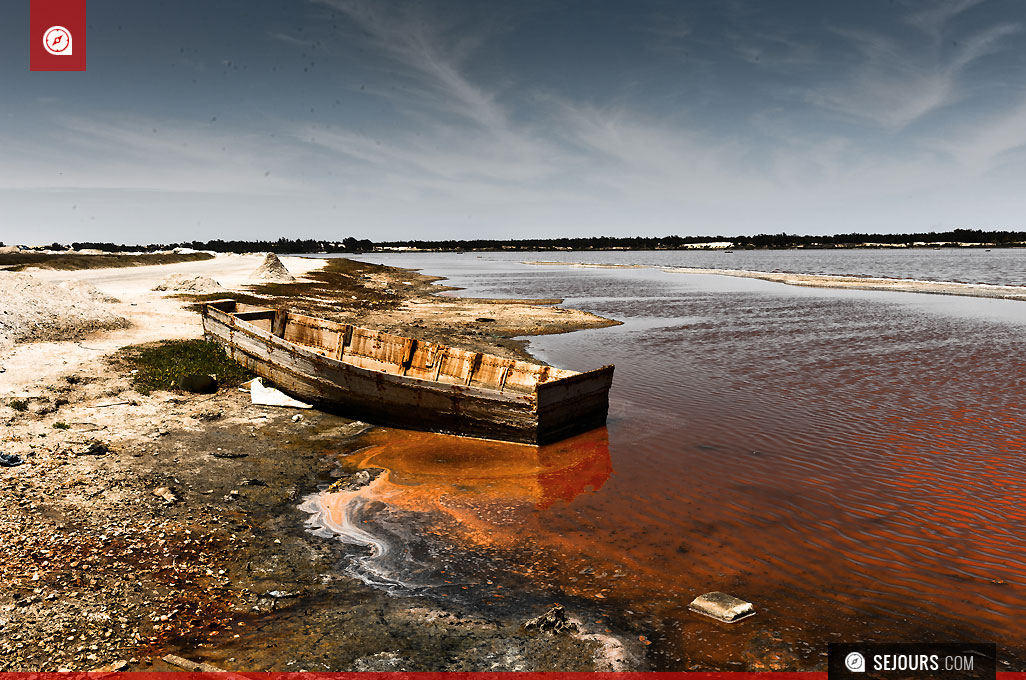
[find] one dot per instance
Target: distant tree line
(281, 246)
(782, 240)
(996, 238)
(582, 243)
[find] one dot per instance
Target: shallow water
(850, 461)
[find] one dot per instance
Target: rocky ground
(142, 525)
(146, 525)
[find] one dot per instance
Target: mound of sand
(87, 290)
(183, 283)
(36, 310)
(271, 270)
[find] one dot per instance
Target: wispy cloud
(420, 43)
(900, 80)
(122, 152)
(289, 39)
(981, 146)
(935, 17)
(772, 123)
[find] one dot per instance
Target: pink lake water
(849, 461)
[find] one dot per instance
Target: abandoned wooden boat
(398, 381)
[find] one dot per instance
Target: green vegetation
(160, 365)
(61, 426)
(18, 261)
(18, 404)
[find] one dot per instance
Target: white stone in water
(722, 607)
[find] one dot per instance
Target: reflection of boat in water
(398, 381)
(478, 471)
(437, 487)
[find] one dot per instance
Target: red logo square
(57, 40)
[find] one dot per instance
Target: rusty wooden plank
(281, 320)
(266, 346)
(455, 412)
(445, 389)
(474, 363)
(256, 314)
(577, 386)
(404, 364)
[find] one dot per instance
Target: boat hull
(553, 411)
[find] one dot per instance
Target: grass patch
(18, 404)
(18, 261)
(160, 365)
(61, 426)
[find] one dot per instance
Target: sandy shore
(146, 524)
(869, 283)
(152, 315)
(830, 281)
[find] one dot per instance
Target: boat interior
(396, 354)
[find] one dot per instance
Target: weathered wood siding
(373, 396)
(575, 404)
(403, 382)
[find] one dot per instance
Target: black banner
(893, 661)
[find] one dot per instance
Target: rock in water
(271, 270)
(198, 383)
(722, 607)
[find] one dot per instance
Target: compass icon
(57, 41)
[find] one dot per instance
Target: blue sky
(391, 120)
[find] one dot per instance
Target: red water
(853, 467)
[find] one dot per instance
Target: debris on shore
(722, 607)
(553, 621)
(261, 395)
(197, 383)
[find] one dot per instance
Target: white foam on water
(389, 563)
